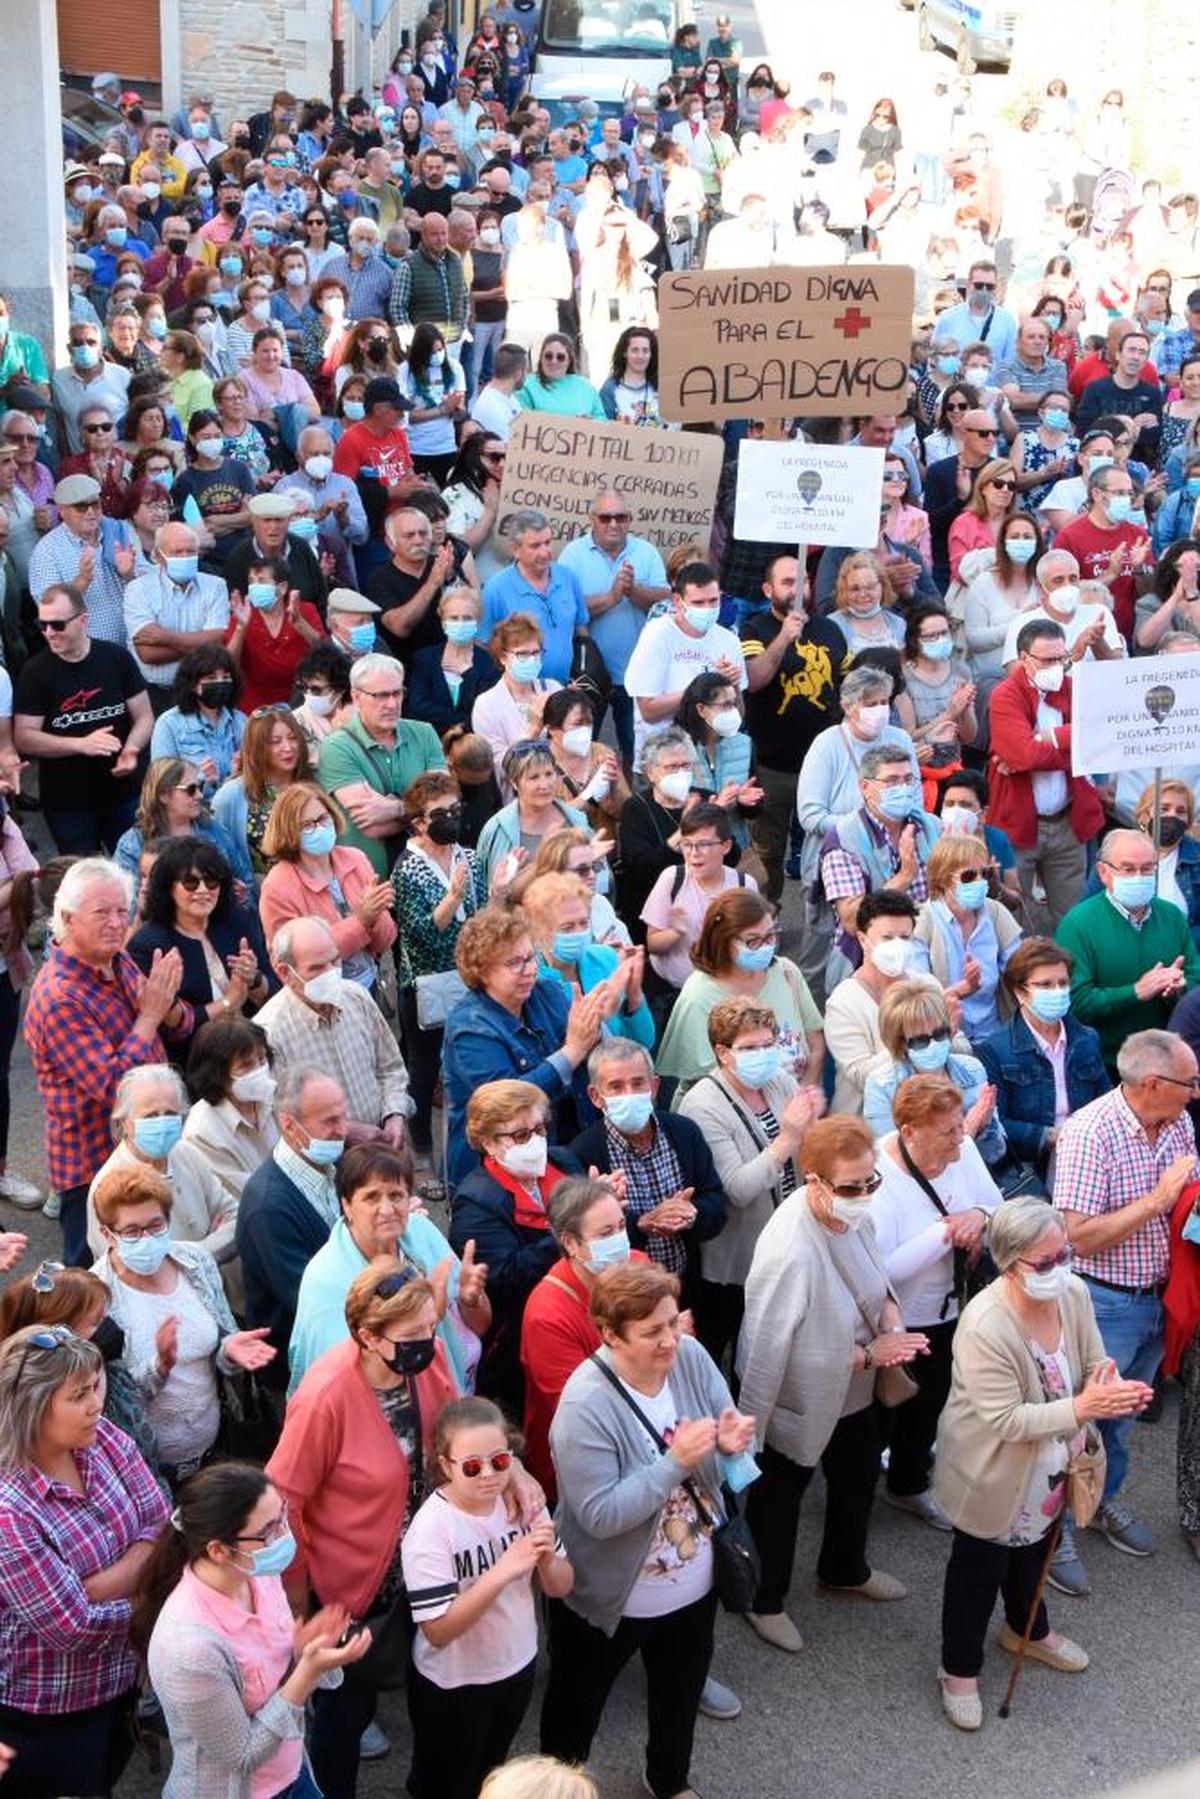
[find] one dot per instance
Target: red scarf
(528, 1215)
(1181, 1296)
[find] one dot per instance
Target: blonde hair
(908, 1008)
(281, 839)
(854, 565)
(949, 856)
(1178, 789)
(366, 1311)
(538, 1777)
(544, 895)
(495, 1105)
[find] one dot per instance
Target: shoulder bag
(970, 1277)
(895, 1385)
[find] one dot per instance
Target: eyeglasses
(925, 1038)
(42, 1279)
(275, 1529)
(1054, 662)
(519, 964)
(50, 625)
(104, 427)
(1192, 1085)
(613, 518)
(856, 1189)
(23, 437)
(385, 693)
(492, 456)
(1047, 1264)
(522, 1136)
(759, 941)
(136, 1232)
(698, 843)
(474, 1465)
(554, 356)
(957, 406)
(193, 882)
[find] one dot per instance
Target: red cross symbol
(852, 322)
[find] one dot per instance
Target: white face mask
(962, 821)
(577, 741)
(317, 467)
(850, 1212)
(1049, 680)
(320, 704)
(324, 989)
(676, 786)
(1065, 599)
(257, 1087)
(726, 721)
(872, 719)
(526, 1160)
(1051, 1285)
(890, 957)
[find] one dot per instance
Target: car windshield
(563, 108)
(609, 27)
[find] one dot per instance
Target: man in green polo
(368, 763)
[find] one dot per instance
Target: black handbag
(737, 1570)
(589, 671)
(970, 1277)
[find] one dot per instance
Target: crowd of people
(475, 1227)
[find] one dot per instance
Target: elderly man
(674, 648)
(352, 623)
(1030, 373)
(269, 539)
(620, 577)
(97, 555)
(1090, 629)
(463, 113)
(1134, 952)
(362, 271)
(87, 381)
(1107, 547)
(407, 588)
(950, 482)
(289, 1205)
(334, 500)
(429, 285)
(535, 583)
(173, 610)
(369, 762)
(320, 1019)
(200, 146)
(1120, 1166)
(92, 1016)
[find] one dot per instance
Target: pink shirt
(677, 964)
(968, 533)
(1055, 1052)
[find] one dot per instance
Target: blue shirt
(980, 1017)
(560, 612)
(1166, 356)
(997, 329)
(616, 631)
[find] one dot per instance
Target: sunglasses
(267, 711)
(97, 428)
(52, 1337)
(191, 788)
(474, 1465)
(613, 518)
(529, 746)
(1047, 1264)
(42, 1279)
(957, 406)
(394, 1283)
(856, 1189)
(925, 1038)
(1005, 486)
(978, 431)
(192, 883)
(49, 625)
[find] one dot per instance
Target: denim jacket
(1024, 1080)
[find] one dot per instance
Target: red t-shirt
(1095, 367)
(1091, 547)
(269, 664)
(358, 448)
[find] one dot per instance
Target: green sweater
(1111, 954)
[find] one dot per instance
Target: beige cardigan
(997, 1412)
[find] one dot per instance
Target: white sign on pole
(808, 493)
(1141, 712)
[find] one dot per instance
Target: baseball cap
(383, 391)
(131, 98)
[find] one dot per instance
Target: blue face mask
(938, 649)
(1050, 1003)
(610, 1252)
(629, 1112)
(117, 236)
(753, 961)
(145, 1255)
(261, 235)
(1192, 487)
(1133, 891)
(325, 1151)
(157, 1137)
(525, 668)
(261, 594)
(930, 1058)
(1020, 550)
(362, 638)
(183, 568)
(970, 895)
(755, 1067)
(85, 356)
(947, 365)
(701, 618)
(570, 945)
(1118, 507)
(1154, 327)
(303, 528)
(274, 1558)
(738, 1471)
(1099, 462)
(897, 802)
(165, 478)
(460, 630)
(318, 840)
(1055, 419)
(230, 266)
(354, 410)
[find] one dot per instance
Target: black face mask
(410, 1357)
(377, 349)
(215, 693)
(242, 141)
(109, 1339)
(231, 208)
(136, 115)
(1170, 831)
(444, 827)
(177, 246)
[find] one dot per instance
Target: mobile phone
(352, 1630)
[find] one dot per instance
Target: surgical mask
(201, 131)
(646, 140)
(325, 989)
(412, 1355)
(525, 668)
(230, 266)
(610, 1252)
(206, 331)
(295, 277)
(890, 958)
(753, 961)
(1099, 462)
(273, 1558)
(203, 191)
(116, 236)
(726, 721)
(930, 1057)
(858, 610)
(1192, 487)
(256, 1087)
(318, 840)
(977, 376)
(963, 820)
(1050, 1003)
(465, 630)
(1133, 891)
(261, 594)
(152, 190)
(578, 740)
(1051, 1285)
(570, 945)
(164, 477)
(319, 704)
(362, 638)
(755, 1067)
(453, 178)
(938, 649)
(872, 719)
(1056, 419)
(82, 193)
(526, 1160)
(354, 410)
(1065, 599)
(85, 356)
(212, 449)
(1154, 327)
(145, 1255)
(363, 246)
(489, 237)
(701, 618)
(1050, 680)
(1118, 507)
(444, 826)
(1020, 550)
(183, 568)
(629, 1113)
(324, 1151)
(897, 802)
(850, 1212)
(1052, 321)
(947, 365)
(260, 310)
(318, 468)
(304, 528)
(970, 895)
(676, 785)
(157, 1137)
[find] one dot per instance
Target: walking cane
(1055, 1537)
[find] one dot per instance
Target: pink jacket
(968, 533)
(288, 891)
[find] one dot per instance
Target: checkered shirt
(648, 1180)
(1104, 1160)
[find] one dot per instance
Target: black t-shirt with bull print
(72, 699)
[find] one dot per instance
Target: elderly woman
(312, 876)
(1030, 1372)
(500, 1210)
(448, 677)
(274, 755)
(204, 727)
(963, 937)
(374, 1186)
(559, 910)
(821, 1323)
(231, 1122)
(179, 1331)
(1043, 1064)
(861, 602)
(171, 804)
(710, 715)
(533, 813)
(80, 1513)
(516, 1025)
(753, 1116)
(589, 773)
(919, 1036)
(252, 442)
(737, 956)
(636, 1521)
(510, 711)
(1179, 852)
(931, 1216)
(648, 832)
(575, 851)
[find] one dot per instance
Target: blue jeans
(1131, 1325)
(303, 1787)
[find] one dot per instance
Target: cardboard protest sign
(559, 465)
(783, 343)
(1141, 712)
(808, 493)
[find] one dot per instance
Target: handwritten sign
(559, 465)
(783, 343)
(808, 493)
(1138, 713)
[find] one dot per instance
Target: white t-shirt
(494, 411)
(665, 659)
(678, 1567)
(443, 377)
(445, 1551)
(185, 1415)
(1069, 495)
(1073, 628)
(911, 1233)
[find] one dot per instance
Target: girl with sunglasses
(470, 1582)
(171, 805)
(947, 439)
(978, 525)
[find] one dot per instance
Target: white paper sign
(1141, 712)
(808, 493)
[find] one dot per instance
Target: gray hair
(289, 1093)
(1146, 1053)
(879, 757)
(374, 663)
(1173, 641)
(1109, 841)
(570, 1203)
(90, 872)
(617, 1049)
(173, 524)
(1015, 1227)
(29, 1378)
(283, 953)
(865, 684)
(527, 519)
(655, 747)
(1049, 562)
(146, 1074)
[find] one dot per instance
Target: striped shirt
(1103, 1162)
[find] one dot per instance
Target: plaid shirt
(649, 1179)
(1104, 1160)
(79, 1027)
(59, 1650)
(843, 875)
(349, 1041)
